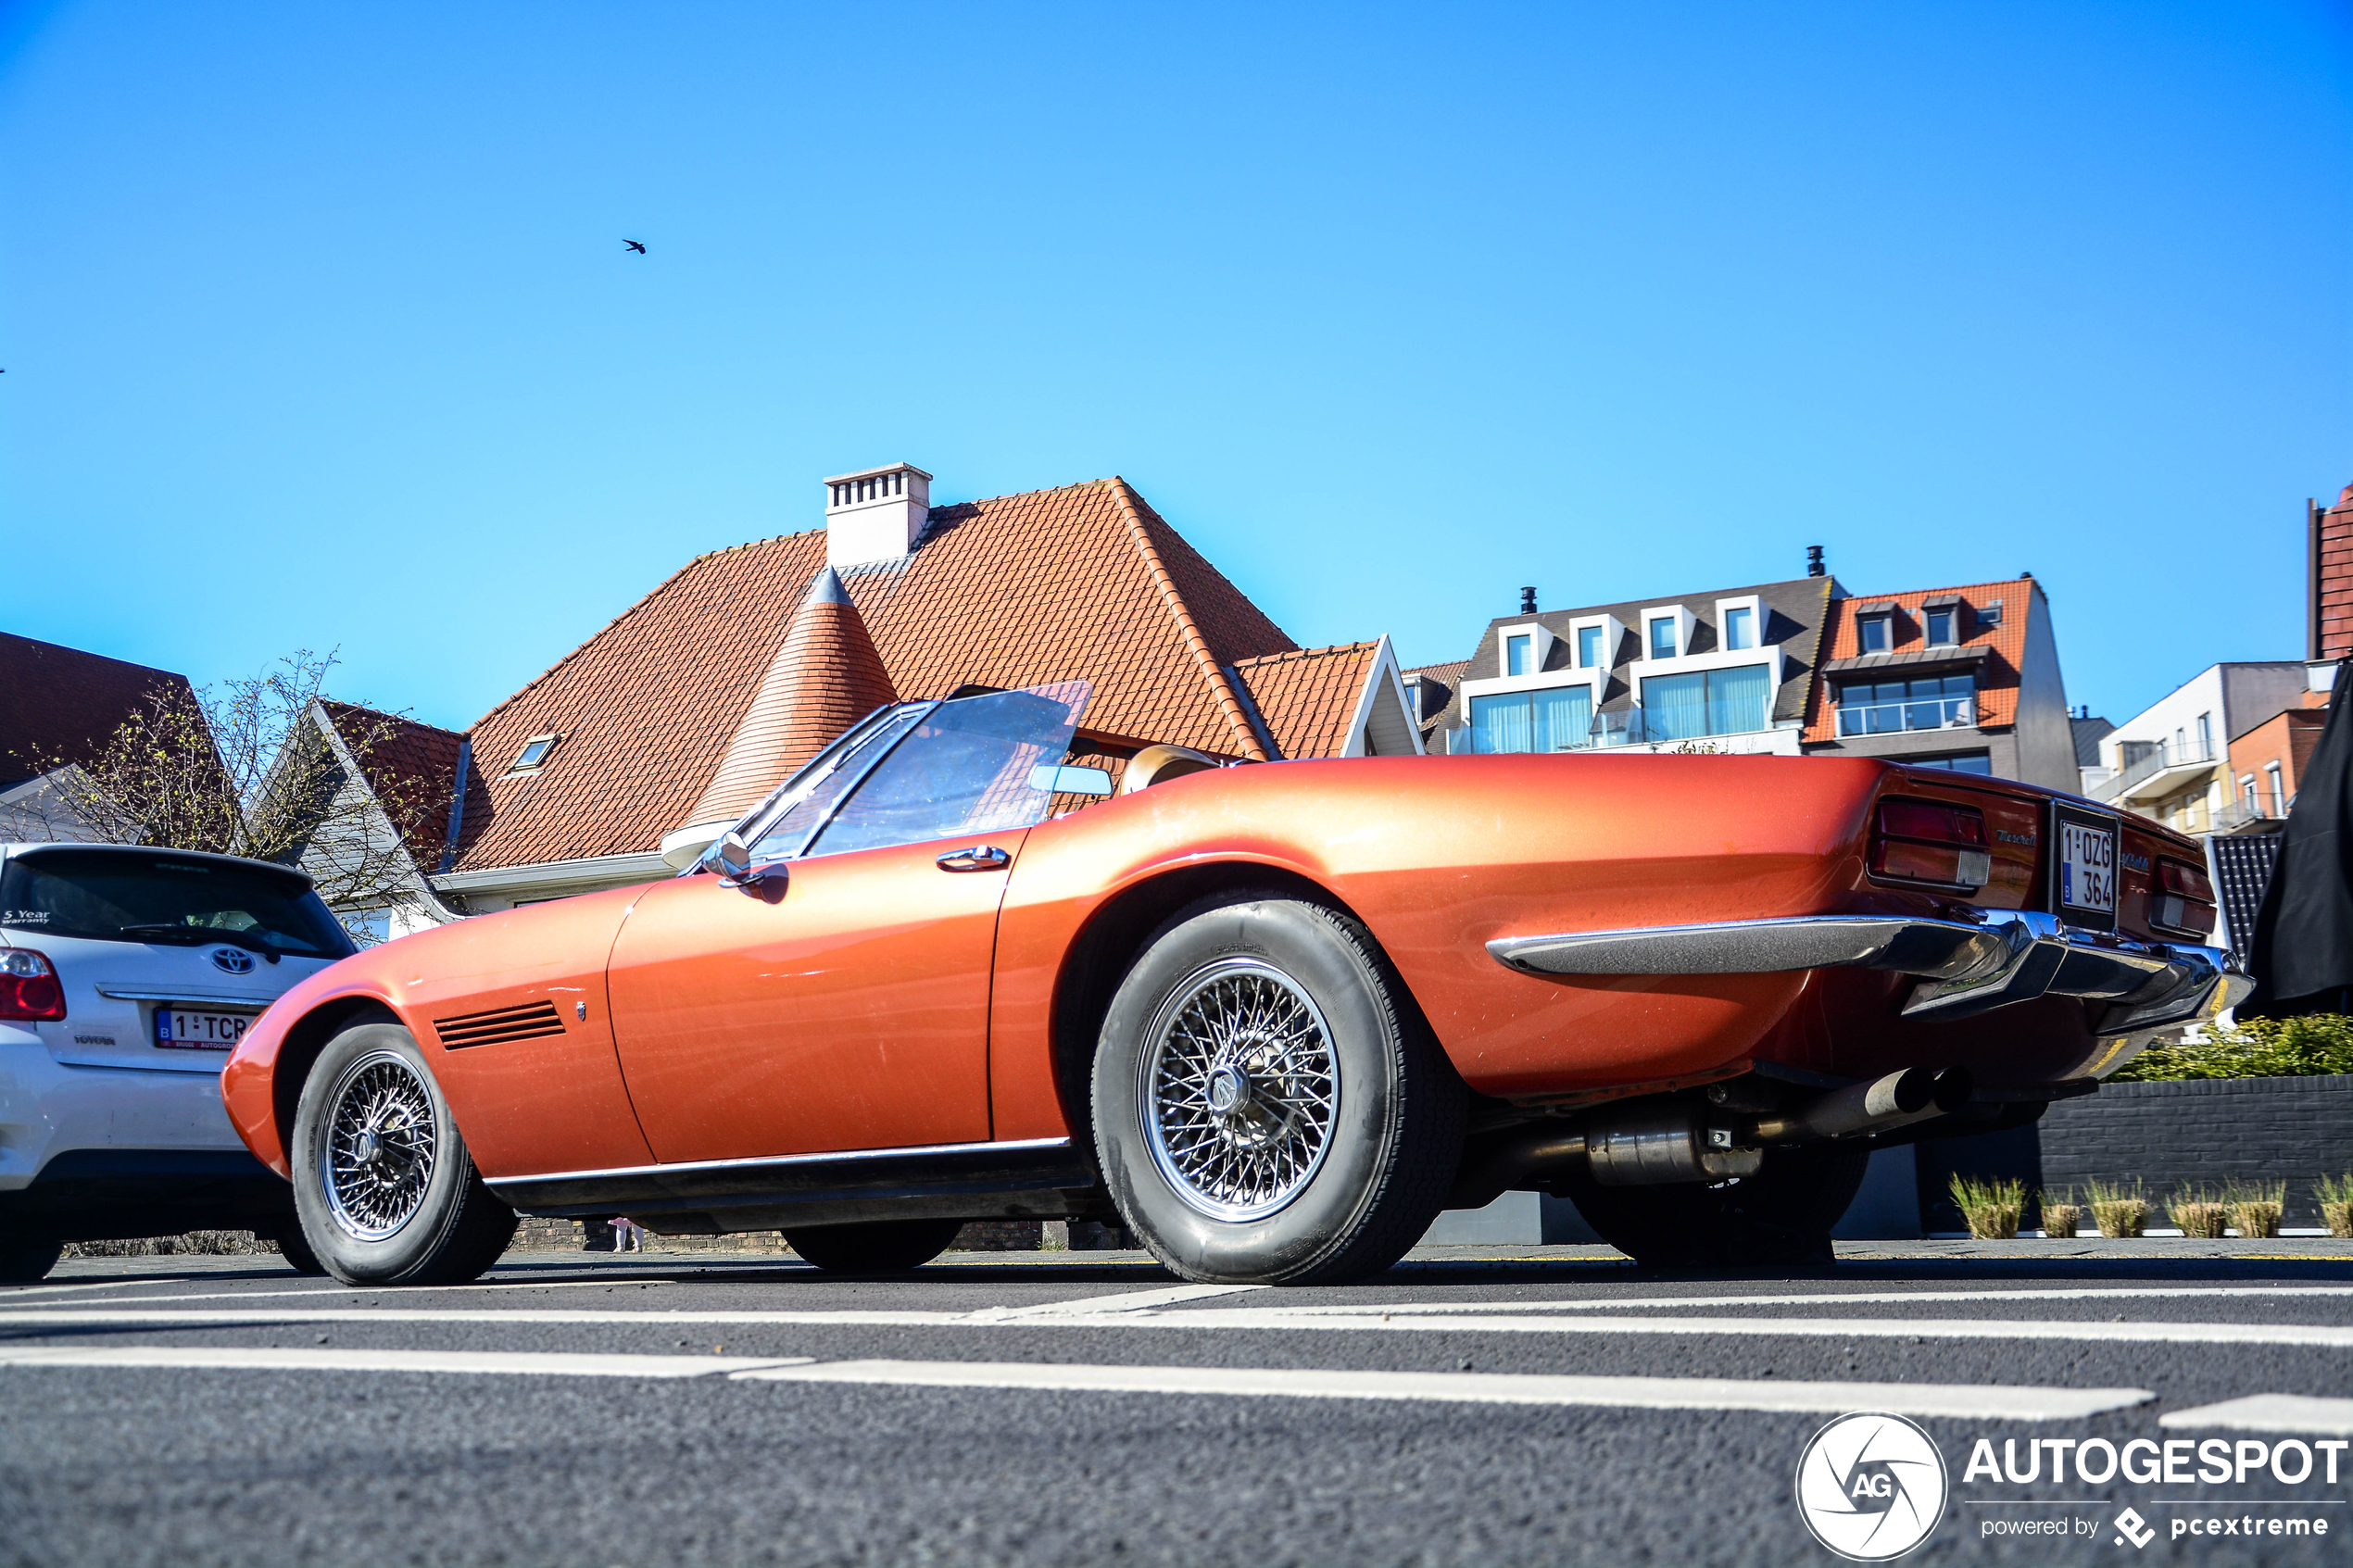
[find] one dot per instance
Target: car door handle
(977, 858)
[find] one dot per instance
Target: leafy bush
(2311, 1047)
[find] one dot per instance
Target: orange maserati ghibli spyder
(1273, 1017)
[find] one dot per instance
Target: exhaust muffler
(1900, 1098)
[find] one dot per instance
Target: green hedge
(2261, 1047)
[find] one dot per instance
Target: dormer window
(534, 755)
(1878, 632)
(1662, 639)
(1519, 654)
(1939, 628)
(1589, 646)
(1739, 627)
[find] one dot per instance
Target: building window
(1589, 646)
(1557, 719)
(1663, 637)
(1968, 762)
(1866, 708)
(2204, 735)
(1521, 654)
(1740, 628)
(2246, 791)
(1939, 628)
(534, 754)
(1879, 634)
(2279, 790)
(1706, 702)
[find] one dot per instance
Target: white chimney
(875, 514)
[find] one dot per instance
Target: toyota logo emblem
(235, 961)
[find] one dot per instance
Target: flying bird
(635, 245)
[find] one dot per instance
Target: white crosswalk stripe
(1990, 1402)
(2270, 1413)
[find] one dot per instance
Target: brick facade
(2331, 572)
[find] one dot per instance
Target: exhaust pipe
(1900, 1098)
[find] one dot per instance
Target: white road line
(16, 1291)
(550, 1363)
(2319, 1335)
(2270, 1413)
(1127, 1302)
(1823, 1298)
(1627, 1393)
(329, 1290)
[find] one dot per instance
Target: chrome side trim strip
(780, 1162)
(187, 995)
(1946, 950)
(1964, 970)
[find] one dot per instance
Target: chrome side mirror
(1067, 780)
(733, 855)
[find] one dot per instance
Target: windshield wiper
(196, 934)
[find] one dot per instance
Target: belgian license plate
(184, 1029)
(2087, 867)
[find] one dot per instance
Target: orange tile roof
(1307, 699)
(1997, 678)
(1082, 581)
(410, 767)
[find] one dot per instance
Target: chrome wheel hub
(378, 1156)
(1241, 1090)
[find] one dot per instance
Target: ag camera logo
(1871, 1487)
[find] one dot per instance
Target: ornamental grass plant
(2062, 1216)
(1992, 1209)
(2198, 1213)
(2119, 1210)
(2335, 1194)
(2256, 1206)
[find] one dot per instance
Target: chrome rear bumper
(1963, 969)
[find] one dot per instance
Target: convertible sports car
(1273, 1017)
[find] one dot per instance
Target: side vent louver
(499, 1025)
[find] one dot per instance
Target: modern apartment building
(2178, 761)
(1965, 678)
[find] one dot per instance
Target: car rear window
(119, 898)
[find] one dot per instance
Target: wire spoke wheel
(1240, 1089)
(376, 1162)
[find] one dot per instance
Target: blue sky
(318, 328)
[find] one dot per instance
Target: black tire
(1783, 1214)
(295, 1250)
(441, 1227)
(878, 1247)
(25, 1258)
(1250, 969)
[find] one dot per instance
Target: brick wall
(2333, 587)
(2197, 1131)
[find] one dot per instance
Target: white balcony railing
(1918, 713)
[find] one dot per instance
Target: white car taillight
(30, 991)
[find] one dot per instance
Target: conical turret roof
(824, 678)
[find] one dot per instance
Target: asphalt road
(1474, 1406)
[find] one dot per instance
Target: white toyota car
(126, 976)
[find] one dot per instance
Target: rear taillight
(1929, 841)
(30, 991)
(2183, 899)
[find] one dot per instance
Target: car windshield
(781, 825)
(113, 896)
(969, 766)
